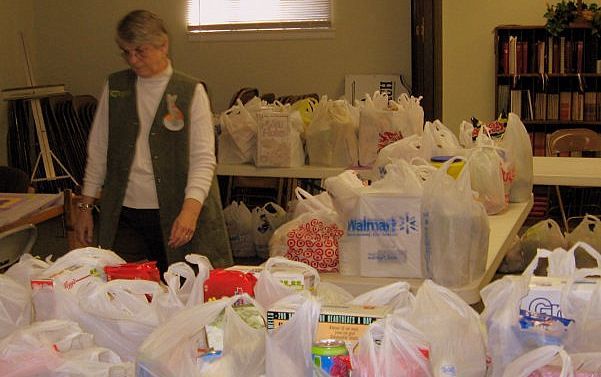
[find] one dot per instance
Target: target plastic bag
(173, 348)
(238, 220)
(265, 221)
(312, 238)
(457, 341)
(15, 305)
(392, 347)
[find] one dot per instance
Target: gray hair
(142, 27)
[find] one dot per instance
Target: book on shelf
(577, 111)
(540, 106)
(590, 106)
(553, 106)
(562, 54)
(505, 58)
(529, 114)
(513, 62)
(33, 92)
(540, 143)
(550, 55)
(598, 107)
(503, 99)
(579, 56)
(569, 57)
(565, 105)
(516, 102)
(540, 56)
(556, 57)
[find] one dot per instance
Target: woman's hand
(184, 225)
(84, 221)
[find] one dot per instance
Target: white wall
(75, 45)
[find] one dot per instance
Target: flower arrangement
(572, 13)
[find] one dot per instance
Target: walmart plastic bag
(173, 348)
(392, 347)
(15, 305)
(238, 220)
(457, 341)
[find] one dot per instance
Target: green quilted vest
(168, 149)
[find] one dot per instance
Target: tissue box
(341, 322)
(544, 294)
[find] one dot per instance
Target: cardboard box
(341, 322)
(544, 295)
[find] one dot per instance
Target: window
(208, 16)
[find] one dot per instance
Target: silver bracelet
(85, 207)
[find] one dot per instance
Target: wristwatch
(85, 207)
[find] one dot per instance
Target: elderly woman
(151, 157)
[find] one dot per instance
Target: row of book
(564, 105)
(554, 55)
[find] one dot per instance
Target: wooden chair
(572, 142)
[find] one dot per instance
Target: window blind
(234, 15)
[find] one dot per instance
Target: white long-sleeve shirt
(141, 190)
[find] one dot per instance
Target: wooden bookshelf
(551, 82)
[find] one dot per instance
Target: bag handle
(589, 250)
(281, 261)
(304, 195)
(524, 365)
(540, 254)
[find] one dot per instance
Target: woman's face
(146, 60)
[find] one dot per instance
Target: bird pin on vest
(174, 120)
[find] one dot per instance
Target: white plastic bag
(15, 305)
(487, 178)
(438, 140)
(545, 234)
(396, 295)
(288, 347)
(238, 220)
(265, 221)
(119, 314)
(455, 229)
(517, 143)
(413, 114)
(238, 139)
(589, 231)
(332, 135)
(466, 131)
(378, 127)
(392, 347)
(406, 149)
(269, 289)
(457, 341)
(27, 268)
(344, 189)
(279, 143)
(529, 362)
(172, 349)
(311, 203)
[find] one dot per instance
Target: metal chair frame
(16, 242)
